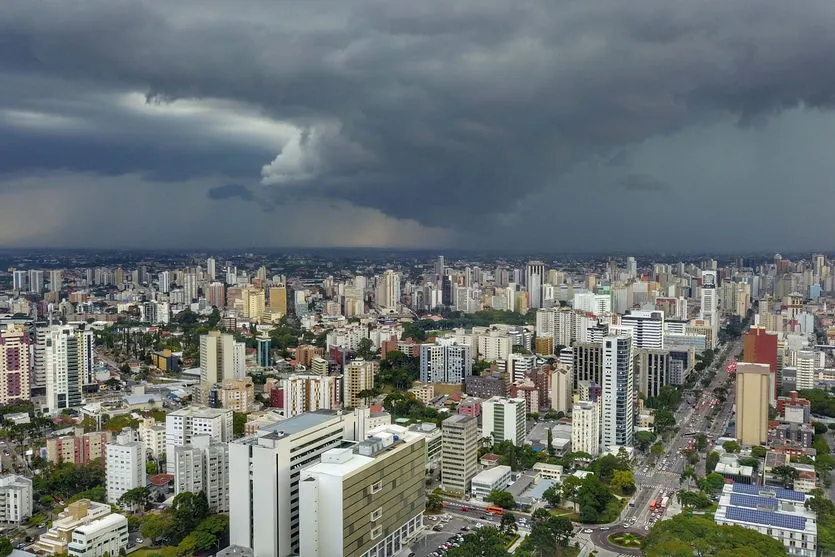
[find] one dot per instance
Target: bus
(495, 510)
(652, 505)
(664, 502)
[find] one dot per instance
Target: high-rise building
(182, 425)
(55, 280)
(618, 392)
(35, 281)
(306, 393)
(503, 419)
(807, 362)
(631, 267)
(534, 278)
(63, 364)
(125, 465)
(211, 268)
(388, 291)
(653, 371)
(446, 361)
(278, 299)
(588, 362)
(20, 280)
(264, 475)
(561, 390)
(152, 435)
(15, 365)
(358, 377)
(710, 304)
(190, 291)
(647, 328)
(253, 299)
(264, 352)
(760, 347)
(585, 427)
(459, 453)
(385, 472)
(203, 465)
(164, 282)
(216, 294)
(15, 499)
(221, 358)
(753, 391)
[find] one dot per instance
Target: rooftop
(299, 423)
(492, 475)
(201, 411)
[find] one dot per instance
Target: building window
(376, 532)
(376, 487)
(377, 514)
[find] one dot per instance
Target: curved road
(600, 538)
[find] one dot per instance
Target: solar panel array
(784, 494)
(753, 502)
(779, 520)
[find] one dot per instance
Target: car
(139, 540)
(465, 509)
(587, 531)
(605, 528)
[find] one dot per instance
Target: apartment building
(182, 425)
(105, 536)
(459, 452)
(80, 448)
(15, 499)
(203, 465)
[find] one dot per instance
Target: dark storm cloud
(231, 191)
(436, 110)
(644, 182)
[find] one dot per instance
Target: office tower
(77, 449)
(647, 328)
(20, 280)
(585, 427)
(358, 377)
(364, 500)
(760, 347)
(278, 299)
(253, 299)
(63, 364)
(15, 499)
(203, 465)
(35, 281)
(439, 270)
(182, 425)
(307, 393)
(588, 362)
(55, 280)
(534, 277)
(446, 361)
(653, 371)
(264, 474)
(15, 364)
(503, 419)
(216, 294)
(388, 291)
(107, 535)
(459, 453)
(618, 392)
(753, 391)
(562, 382)
(211, 268)
(264, 352)
(190, 287)
(631, 267)
(164, 282)
(710, 308)
(125, 465)
(221, 358)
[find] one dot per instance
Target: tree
(571, 489)
(688, 535)
(484, 542)
(623, 481)
(644, 440)
(758, 452)
(239, 424)
(787, 474)
(552, 495)
(605, 466)
(664, 420)
(188, 510)
(434, 502)
(501, 499)
(713, 482)
(701, 442)
(365, 349)
(550, 536)
(156, 526)
(508, 524)
(135, 498)
(711, 461)
(731, 446)
(5, 546)
(688, 474)
(551, 450)
(593, 498)
(657, 449)
(820, 428)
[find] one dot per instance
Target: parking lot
(440, 528)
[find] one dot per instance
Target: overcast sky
(562, 125)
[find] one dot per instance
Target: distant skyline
(548, 126)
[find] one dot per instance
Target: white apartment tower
(446, 361)
(15, 499)
(63, 364)
(211, 268)
(503, 419)
(459, 452)
(203, 465)
(710, 304)
(647, 328)
(585, 428)
(534, 278)
(388, 291)
(189, 287)
(182, 425)
(618, 392)
(125, 465)
(306, 393)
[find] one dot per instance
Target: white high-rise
(534, 277)
(647, 328)
(618, 392)
(15, 499)
(585, 428)
(164, 282)
(182, 425)
(446, 361)
(221, 358)
(190, 287)
(211, 268)
(504, 419)
(55, 280)
(125, 465)
(19, 280)
(388, 291)
(203, 465)
(306, 393)
(35, 281)
(63, 364)
(710, 304)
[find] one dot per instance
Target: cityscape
(381, 403)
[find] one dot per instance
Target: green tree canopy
(484, 542)
(501, 499)
(699, 534)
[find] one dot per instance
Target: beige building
(358, 377)
(238, 394)
(278, 298)
(253, 304)
(221, 358)
(366, 500)
(459, 452)
(80, 448)
(57, 538)
(14, 365)
(562, 383)
(752, 396)
(585, 428)
(424, 392)
(152, 436)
